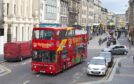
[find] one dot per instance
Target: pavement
(94, 43)
(125, 73)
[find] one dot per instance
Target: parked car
(109, 58)
(117, 49)
(17, 51)
(97, 66)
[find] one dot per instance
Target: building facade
(90, 13)
(17, 20)
(83, 13)
(130, 15)
(64, 14)
(120, 20)
(97, 11)
(111, 20)
(74, 8)
(127, 14)
(104, 16)
(49, 13)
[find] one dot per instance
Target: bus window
(64, 54)
(43, 34)
(71, 33)
(48, 56)
(61, 34)
(36, 56)
(48, 34)
(44, 56)
(36, 34)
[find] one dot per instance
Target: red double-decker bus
(56, 49)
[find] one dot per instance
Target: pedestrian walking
(119, 34)
(108, 43)
(100, 41)
(130, 45)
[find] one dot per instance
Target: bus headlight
(34, 45)
(35, 66)
(50, 68)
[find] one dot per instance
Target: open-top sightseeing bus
(56, 49)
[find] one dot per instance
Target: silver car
(108, 56)
(97, 66)
(117, 49)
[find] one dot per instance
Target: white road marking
(4, 70)
(24, 63)
(37, 75)
(26, 82)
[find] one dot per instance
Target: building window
(16, 33)
(23, 33)
(28, 33)
(15, 9)
(7, 8)
(51, 10)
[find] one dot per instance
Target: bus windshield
(43, 34)
(44, 56)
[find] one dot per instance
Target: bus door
(59, 61)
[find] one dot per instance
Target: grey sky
(117, 6)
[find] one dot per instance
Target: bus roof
(77, 31)
(50, 28)
(53, 28)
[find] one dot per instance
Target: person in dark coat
(119, 34)
(100, 41)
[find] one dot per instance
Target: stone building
(83, 13)
(64, 13)
(120, 20)
(104, 15)
(97, 11)
(49, 13)
(74, 6)
(131, 21)
(90, 13)
(17, 21)
(131, 14)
